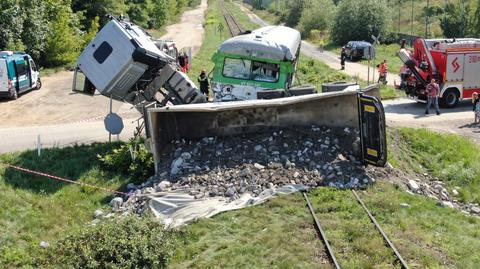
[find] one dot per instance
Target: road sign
(113, 123)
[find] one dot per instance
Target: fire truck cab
(454, 63)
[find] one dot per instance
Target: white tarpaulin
(178, 207)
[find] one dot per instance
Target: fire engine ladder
(410, 63)
(429, 57)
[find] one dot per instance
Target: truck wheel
(14, 95)
(450, 98)
(39, 84)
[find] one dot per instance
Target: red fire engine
(454, 63)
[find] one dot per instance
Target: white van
(18, 73)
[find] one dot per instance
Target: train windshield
(250, 70)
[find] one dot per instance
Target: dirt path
(62, 117)
(189, 31)
(401, 112)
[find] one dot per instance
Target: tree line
(54, 32)
(344, 20)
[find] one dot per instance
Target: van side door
(3, 75)
(23, 74)
(33, 73)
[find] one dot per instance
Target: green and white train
(257, 65)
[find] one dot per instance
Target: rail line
(324, 239)
(234, 27)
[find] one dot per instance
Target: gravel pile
(231, 166)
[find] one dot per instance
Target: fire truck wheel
(450, 98)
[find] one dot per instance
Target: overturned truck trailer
(361, 110)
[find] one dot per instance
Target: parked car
(18, 73)
(357, 50)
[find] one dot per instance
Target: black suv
(355, 49)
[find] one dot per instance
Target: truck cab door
(373, 137)
(81, 84)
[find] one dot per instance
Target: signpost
(113, 123)
(375, 42)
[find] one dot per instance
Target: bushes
(131, 158)
(130, 242)
(53, 32)
(316, 16)
(359, 19)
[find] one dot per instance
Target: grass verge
(37, 209)
(452, 158)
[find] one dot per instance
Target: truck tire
(450, 98)
(39, 84)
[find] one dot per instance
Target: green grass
(279, 233)
(35, 209)
(452, 158)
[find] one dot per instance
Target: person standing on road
(204, 85)
(382, 72)
(432, 93)
(476, 107)
(343, 57)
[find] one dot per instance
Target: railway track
(234, 27)
(329, 250)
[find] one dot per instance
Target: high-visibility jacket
(382, 69)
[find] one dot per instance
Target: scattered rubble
(116, 203)
(98, 214)
(254, 163)
(231, 166)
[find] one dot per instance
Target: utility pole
(399, 9)
(411, 22)
(463, 18)
(427, 11)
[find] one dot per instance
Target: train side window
(237, 68)
(266, 72)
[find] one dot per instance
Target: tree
(92, 31)
(475, 22)
(316, 15)
(11, 25)
(359, 19)
(159, 14)
(35, 28)
(138, 11)
(454, 24)
(294, 13)
(64, 40)
(93, 8)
